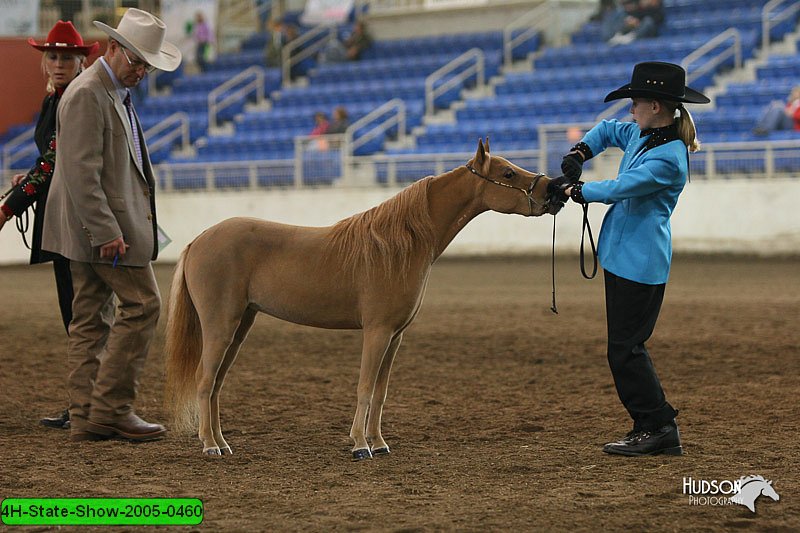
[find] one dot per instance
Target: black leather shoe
(666, 440)
(57, 422)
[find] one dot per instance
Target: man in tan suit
(101, 215)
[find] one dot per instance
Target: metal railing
(478, 68)
(394, 170)
(11, 153)
(754, 159)
(180, 129)
(770, 19)
(556, 139)
(337, 151)
(398, 118)
(544, 17)
(715, 161)
(303, 47)
(712, 62)
(218, 100)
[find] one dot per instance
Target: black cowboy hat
(655, 79)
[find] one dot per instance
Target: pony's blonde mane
(388, 235)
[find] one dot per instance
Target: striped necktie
(132, 117)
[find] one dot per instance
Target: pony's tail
(183, 347)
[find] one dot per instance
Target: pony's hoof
(212, 452)
(360, 455)
(380, 451)
(226, 450)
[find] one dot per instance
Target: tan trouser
(106, 355)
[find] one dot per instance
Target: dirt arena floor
(496, 414)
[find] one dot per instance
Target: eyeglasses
(136, 65)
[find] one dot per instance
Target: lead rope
(23, 223)
(586, 228)
(554, 307)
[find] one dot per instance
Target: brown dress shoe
(129, 427)
(83, 436)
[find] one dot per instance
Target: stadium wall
(494, 16)
(22, 82)
(734, 216)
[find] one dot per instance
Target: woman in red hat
(64, 56)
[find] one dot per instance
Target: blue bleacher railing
(444, 80)
(235, 91)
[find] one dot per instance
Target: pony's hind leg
(216, 341)
(245, 324)
(379, 446)
(376, 342)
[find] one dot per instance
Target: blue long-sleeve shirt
(635, 240)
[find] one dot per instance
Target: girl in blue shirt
(635, 243)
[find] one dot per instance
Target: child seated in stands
(781, 115)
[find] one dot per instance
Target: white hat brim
(167, 59)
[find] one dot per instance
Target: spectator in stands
(321, 124)
(281, 34)
(781, 115)
(264, 9)
(63, 59)
(203, 39)
(350, 49)
(605, 9)
(638, 19)
(635, 248)
(340, 120)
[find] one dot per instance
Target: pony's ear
(482, 158)
(487, 145)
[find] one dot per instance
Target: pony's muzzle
(554, 199)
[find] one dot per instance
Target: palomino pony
(366, 272)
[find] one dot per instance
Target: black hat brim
(690, 97)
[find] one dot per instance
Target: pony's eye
(509, 173)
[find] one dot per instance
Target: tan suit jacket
(99, 192)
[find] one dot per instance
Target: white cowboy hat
(143, 34)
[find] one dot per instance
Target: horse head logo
(750, 488)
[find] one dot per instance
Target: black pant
(631, 312)
(64, 289)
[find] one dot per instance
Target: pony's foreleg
(376, 342)
(379, 446)
(230, 356)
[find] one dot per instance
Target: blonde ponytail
(687, 130)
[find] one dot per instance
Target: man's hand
(115, 247)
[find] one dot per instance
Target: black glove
(555, 188)
(572, 166)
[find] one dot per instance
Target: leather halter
(527, 192)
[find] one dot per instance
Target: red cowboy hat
(64, 37)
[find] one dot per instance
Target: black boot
(666, 440)
(57, 422)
